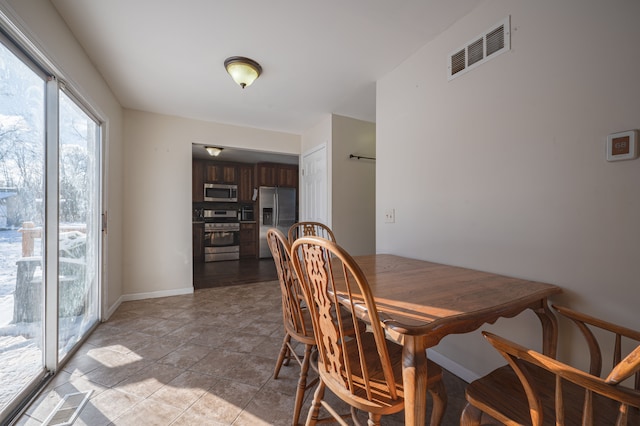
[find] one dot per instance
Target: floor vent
(68, 409)
(486, 46)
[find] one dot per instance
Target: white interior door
(314, 196)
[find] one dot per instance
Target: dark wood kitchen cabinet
(248, 239)
(272, 174)
(197, 176)
(288, 175)
(198, 242)
(245, 183)
(220, 173)
(266, 174)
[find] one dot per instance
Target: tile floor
(201, 359)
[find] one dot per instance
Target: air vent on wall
(486, 46)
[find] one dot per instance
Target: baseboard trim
(452, 366)
(156, 294)
(112, 309)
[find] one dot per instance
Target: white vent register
(488, 45)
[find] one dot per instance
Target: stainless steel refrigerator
(276, 209)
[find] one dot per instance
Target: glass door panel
(50, 227)
(79, 224)
(22, 167)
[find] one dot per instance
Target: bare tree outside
(21, 185)
(23, 174)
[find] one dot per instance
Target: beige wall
(503, 169)
(157, 254)
(350, 183)
(50, 35)
(320, 134)
(353, 184)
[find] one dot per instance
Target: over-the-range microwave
(218, 192)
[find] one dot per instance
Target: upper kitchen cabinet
(288, 175)
(197, 176)
(266, 174)
(272, 174)
(245, 183)
(220, 173)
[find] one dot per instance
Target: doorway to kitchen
(227, 223)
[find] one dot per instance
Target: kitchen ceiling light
(244, 71)
(213, 151)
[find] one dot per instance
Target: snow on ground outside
(20, 356)
(10, 252)
(20, 344)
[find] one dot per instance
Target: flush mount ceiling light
(244, 71)
(213, 151)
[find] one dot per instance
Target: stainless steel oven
(221, 235)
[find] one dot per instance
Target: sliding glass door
(22, 212)
(50, 227)
(79, 225)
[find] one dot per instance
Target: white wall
(353, 188)
(503, 169)
(157, 254)
(48, 32)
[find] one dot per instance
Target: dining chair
(536, 389)
(296, 318)
(364, 370)
(310, 229)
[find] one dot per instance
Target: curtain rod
(360, 157)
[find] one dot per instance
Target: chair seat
(381, 401)
(508, 400)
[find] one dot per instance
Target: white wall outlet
(390, 216)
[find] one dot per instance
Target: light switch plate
(390, 216)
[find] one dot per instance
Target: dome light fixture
(243, 70)
(213, 150)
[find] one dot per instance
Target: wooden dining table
(421, 302)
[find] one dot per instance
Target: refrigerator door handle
(277, 209)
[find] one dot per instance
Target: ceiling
(318, 57)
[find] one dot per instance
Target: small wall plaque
(622, 145)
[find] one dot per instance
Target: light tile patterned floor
(201, 359)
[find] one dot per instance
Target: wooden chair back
(544, 391)
(293, 310)
(296, 318)
(599, 401)
(330, 279)
(310, 229)
(620, 336)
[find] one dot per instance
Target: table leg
(414, 377)
(549, 324)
